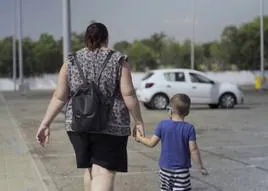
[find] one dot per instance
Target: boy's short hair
(180, 104)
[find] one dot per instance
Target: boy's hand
(203, 171)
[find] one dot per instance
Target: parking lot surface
(233, 143)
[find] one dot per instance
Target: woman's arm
(57, 101)
(129, 95)
(59, 98)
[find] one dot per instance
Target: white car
(158, 86)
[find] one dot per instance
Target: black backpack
(90, 112)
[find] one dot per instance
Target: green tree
(230, 45)
(186, 54)
(249, 35)
(30, 66)
(48, 54)
(6, 57)
(156, 43)
(122, 46)
(239, 46)
(141, 57)
(171, 54)
(78, 41)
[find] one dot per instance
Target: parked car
(158, 86)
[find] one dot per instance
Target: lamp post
(21, 77)
(193, 36)
(14, 47)
(261, 42)
(66, 19)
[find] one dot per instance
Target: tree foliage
(237, 48)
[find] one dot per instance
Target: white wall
(48, 81)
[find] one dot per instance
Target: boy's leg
(87, 179)
(101, 179)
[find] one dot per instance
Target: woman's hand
(42, 135)
(140, 128)
(134, 131)
(138, 135)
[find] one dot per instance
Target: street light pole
(14, 48)
(193, 36)
(261, 42)
(66, 28)
(21, 77)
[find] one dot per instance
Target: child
(178, 146)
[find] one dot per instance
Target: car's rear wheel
(159, 101)
(147, 105)
(227, 100)
(213, 106)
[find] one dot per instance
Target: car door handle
(194, 87)
(168, 86)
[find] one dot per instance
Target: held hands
(138, 131)
(139, 135)
(138, 127)
(42, 135)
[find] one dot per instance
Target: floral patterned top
(91, 64)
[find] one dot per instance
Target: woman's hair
(96, 36)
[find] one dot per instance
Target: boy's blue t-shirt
(175, 137)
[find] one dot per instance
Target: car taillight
(149, 85)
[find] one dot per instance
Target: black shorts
(107, 151)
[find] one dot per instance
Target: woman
(105, 152)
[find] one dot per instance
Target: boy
(178, 146)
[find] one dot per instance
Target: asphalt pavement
(233, 143)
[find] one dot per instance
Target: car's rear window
(147, 76)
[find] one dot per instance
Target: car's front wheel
(227, 100)
(159, 101)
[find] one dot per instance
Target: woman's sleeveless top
(91, 63)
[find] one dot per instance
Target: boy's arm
(195, 154)
(150, 142)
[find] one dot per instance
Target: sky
(132, 19)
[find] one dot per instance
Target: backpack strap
(103, 66)
(81, 73)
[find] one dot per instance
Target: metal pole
(14, 48)
(66, 28)
(193, 36)
(21, 84)
(261, 42)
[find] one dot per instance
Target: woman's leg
(101, 179)
(87, 179)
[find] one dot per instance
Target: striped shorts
(175, 180)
